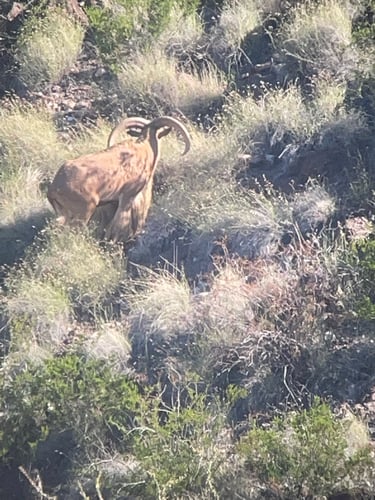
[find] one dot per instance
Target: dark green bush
(180, 454)
(114, 27)
(61, 394)
(305, 453)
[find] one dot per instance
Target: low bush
(181, 453)
(120, 24)
(305, 453)
(66, 393)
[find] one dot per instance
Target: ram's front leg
(140, 208)
(120, 227)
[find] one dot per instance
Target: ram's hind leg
(71, 208)
(120, 227)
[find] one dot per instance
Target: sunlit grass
(153, 78)
(21, 195)
(182, 35)
(320, 35)
(76, 261)
(238, 18)
(282, 117)
(161, 302)
(29, 138)
(48, 47)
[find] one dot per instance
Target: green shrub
(66, 393)
(181, 455)
(48, 47)
(115, 25)
(364, 27)
(305, 453)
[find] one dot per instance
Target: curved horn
(168, 121)
(134, 122)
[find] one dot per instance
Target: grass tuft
(238, 18)
(31, 151)
(161, 303)
(28, 138)
(319, 35)
(63, 271)
(152, 79)
(182, 36)
(48, 48)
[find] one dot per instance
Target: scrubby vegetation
(228, 351)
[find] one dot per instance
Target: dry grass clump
(64, 270)
(238, 18)
(319, 35)
(312, 208)
(152, 78)
(39, 314)
(88, 139)
(284, 118)
(225, 312)
(20, 195)
(239, 291)
(48, 47)
(31, 151)
(161, 302)
(212, 154)
(252, 223)
(109, 342)
(182, 37)
(28, 138)
(76, 261)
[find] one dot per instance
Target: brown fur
(116, 175)
(130, 222)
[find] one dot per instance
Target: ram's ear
(163, 132)
(136, 122)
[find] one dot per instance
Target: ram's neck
(155, 148)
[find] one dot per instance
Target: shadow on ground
(16, 237)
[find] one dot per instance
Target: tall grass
(319, 34)
(62, 271)
(48, 47)
(152, 79)
(182, 36)
(238, 18)
(285, 117)
(31, 152)
(21, 195)
(29, 138)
